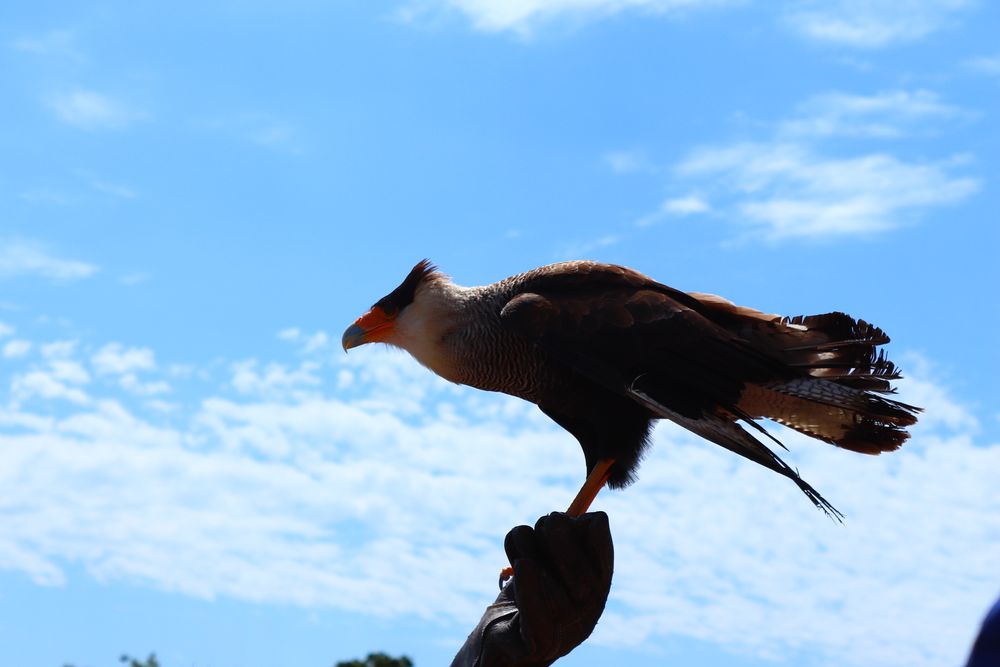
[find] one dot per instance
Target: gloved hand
(562, 577)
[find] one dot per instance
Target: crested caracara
(605, 351)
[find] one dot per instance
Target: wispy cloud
(130, 367)
(274, 379)
(131, 383)
(984, 65)
(855, 23)
(787, 191)
(872, 23)
(16, 348)
(44, 385)
(45, 196)
(26, 258)
(59, 349)
(134, 278)
(114, 189)
(57, 376)
(116, 359)
(583, 249)
(273, 133)
(310, 342)
(691, 204)
(789, 186)
(262, 129)
(686, 205)
(889, 114)
(91, 110)
(628, 161)
(60, 43)
(524, 16)
(310, 486)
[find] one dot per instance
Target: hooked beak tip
(353, 337)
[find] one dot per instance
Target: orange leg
(596, 480)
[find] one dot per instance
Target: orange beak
(372, 327)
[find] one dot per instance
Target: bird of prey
(604, 351)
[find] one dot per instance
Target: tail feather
(838, 398)
(839, 348)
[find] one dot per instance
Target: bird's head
(393, 316)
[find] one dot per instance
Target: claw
(505, 575)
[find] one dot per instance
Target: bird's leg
(596, 480)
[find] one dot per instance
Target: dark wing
(648, 342)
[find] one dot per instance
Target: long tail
(839, 396)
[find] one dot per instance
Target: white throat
(423, 327)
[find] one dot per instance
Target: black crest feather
(402, 296)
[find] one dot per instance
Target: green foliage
(377, 660)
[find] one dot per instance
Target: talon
(505, 574)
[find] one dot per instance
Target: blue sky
(196, 200)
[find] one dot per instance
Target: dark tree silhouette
(129, 661)
(373, 660)
(376, 660)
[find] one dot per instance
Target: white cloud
(523, 16)
(16, 348)
(787, 191)
(316, 342)
(692, 204)
(114, 189)
(626, 162)
(59, 43)
(273, 133)
(159, 405)
(686, 205)
(260, 128)
(21, 258)
(854, 23)
(90, 110)
(114, 358)
(789, 186)
(6, 330)
(872, 23)
(920, 389)
(273, 378)
(311, 343)
(132, 384)
(985, 65)
(59, 349)
(44, 385)
(45, 196)
(135, 278)
(584, 249)
(66, 370)
(889, 114)
(370, 495)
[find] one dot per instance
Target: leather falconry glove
(562, 577)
